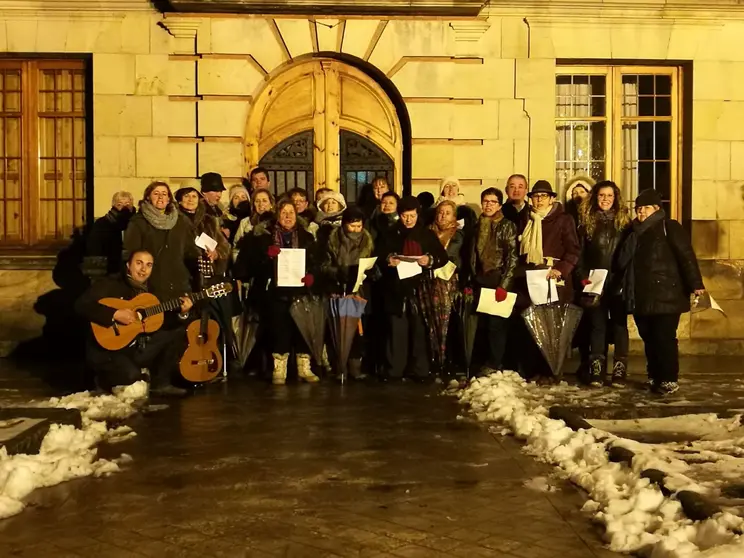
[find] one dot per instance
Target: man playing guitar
(159, 351)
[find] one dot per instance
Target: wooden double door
(324, 124)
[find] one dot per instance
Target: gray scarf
(350, 246)
(162, 221)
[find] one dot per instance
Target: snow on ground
(636, 516)
(66, 452)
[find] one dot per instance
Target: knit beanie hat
(408, 203)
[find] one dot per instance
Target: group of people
(432, 255)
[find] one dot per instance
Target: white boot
(304, 372)
(280, 369)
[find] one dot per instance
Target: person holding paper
(257, 261)
(603, 221)
(660, 272)
(406, 335)
(347, 245)
(160, 229)
(194, 208)
(492, 263)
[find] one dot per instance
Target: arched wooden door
(331, 100)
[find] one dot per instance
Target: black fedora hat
(542, 187)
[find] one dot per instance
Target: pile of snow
(636, 516)
(67, 452)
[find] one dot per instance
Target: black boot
(619, 374)
(596, 372)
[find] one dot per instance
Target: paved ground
(250, 470)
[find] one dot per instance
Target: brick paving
(246, 469)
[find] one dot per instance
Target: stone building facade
(649, 93)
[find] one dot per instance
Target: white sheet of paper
(408, 269)
(537, 285)
(487, 303)
(365, 264)
(290, 267)
(461, 223)
(206, 242)
(597, 278)
(445, 272)
(715, 306)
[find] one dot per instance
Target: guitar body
(118, 336)
(202, 361)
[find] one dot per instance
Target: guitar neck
(173, 304)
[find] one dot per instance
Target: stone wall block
(228, 77)
(222, 157)
(223, 118)
(22, 35)
(730, 200)
(704, 199)
(492, 159)
(710, 239)
(724, 278)
(173, 118)
(433, 160)
(536, 79)
(181, 78)
(737, 160)
(52, 35)
(711, 160)
(736, 233)
(113, 74)
(151, 74)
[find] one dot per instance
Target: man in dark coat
(406, 331)
(106, 234)
(516, 208)
(660, 272)
(160, 351)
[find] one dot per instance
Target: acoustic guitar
(150, 313)
(202, 361)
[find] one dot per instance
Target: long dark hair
(590, 208)
(150, 187)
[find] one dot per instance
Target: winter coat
(599, 251)
(519, 218)
(254, 264)
(173, 250)
(500, 245)
(337, 278)
(455, 247)
(106, 238)
(203, 220)
(380, 224)
(665, 269)
(326, 225)
(400, 240)
(237, 214)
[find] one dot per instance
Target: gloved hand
(585, 282)
(273, 251)
(500, 295)
(308, 280)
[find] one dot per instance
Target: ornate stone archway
(324, 96)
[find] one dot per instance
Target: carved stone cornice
(182, 27)
(643, 11)
(75, 6)
(469, 31)
(449, 8)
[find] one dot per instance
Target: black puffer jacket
(425, 242)
(665, 269)
(174, 252)
(599, 252)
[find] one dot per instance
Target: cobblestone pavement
(246, 469)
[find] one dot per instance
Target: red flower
(273, 251)
(308, 280)
(500, 295)
(468, 291)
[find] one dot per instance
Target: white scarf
(532, 238)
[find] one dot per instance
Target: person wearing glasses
(660, 272)
(549, 242)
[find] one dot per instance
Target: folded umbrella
(309, 313)
(345, 315)
(552, 326)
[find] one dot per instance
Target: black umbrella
(309, 313)
(466, 306)
(552, 326)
